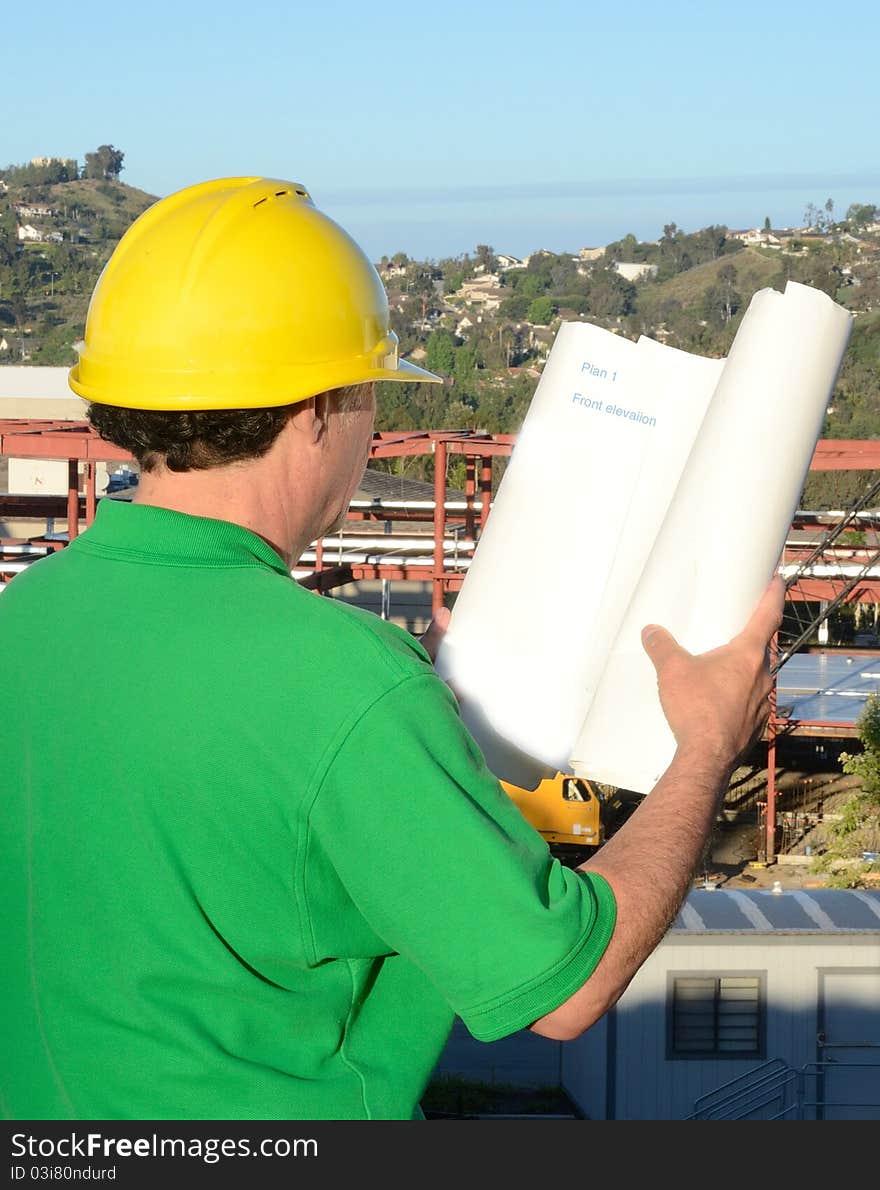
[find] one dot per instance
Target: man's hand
(436, 630)
(717, 702)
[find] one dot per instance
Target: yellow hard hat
(235, 294)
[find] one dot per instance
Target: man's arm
(717, 706)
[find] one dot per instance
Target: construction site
(405, 551)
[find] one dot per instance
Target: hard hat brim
(277, 386)
(407, 371)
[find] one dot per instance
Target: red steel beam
(439, 523)
(485, 490)
(846, 454)
(338, 576)
(30, 439)
(470, 491)
(55, 438)
(72, 499)
(819, 589)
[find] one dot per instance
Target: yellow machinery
(566, 810)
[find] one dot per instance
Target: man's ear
(321, 404)
(310, 418)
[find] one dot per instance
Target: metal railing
(776, 1091)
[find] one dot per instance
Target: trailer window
(716, 1016)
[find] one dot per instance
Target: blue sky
(431, 128)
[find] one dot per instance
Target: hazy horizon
(431, 129)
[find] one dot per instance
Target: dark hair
(205, 438)
(193, 441)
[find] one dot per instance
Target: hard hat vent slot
(279, 194)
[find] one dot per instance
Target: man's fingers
(767, 616)
(435, 632)
(659, 644)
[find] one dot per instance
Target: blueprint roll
(725, 527)
(549, 583)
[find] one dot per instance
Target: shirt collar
(145, 532)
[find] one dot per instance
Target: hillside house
(27, 210)
(483, 291)
(757, 238)
(28, 234)
(506, 262)
(588, 254)
(70, 162)
(635, 271)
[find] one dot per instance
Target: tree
(721, 301)
(708, 244)
(105, 164)
(540, 312)
(18, 304)
(820, 218)
(811, 215)
(768, 226)
(858, 828)
(675, 252)
(610, 295)
(420, 284)
(628, 250)
(516, 306)
(440, 352)
(466, 364)
(859, 214)
(486, 257)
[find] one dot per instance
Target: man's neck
(243, 493)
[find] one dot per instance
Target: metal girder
(813, 590)
(56, 440)
(845, 454)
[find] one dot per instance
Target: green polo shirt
(251, 863)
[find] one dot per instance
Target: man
(252, 863)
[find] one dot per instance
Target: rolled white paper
(725, 529)
(608, 518)
(537, 614)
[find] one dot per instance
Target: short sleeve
(446, 870)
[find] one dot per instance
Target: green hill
(45, 283)
(754, 270)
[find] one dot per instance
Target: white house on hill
(636, 271)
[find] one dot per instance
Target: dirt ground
(803, 801)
